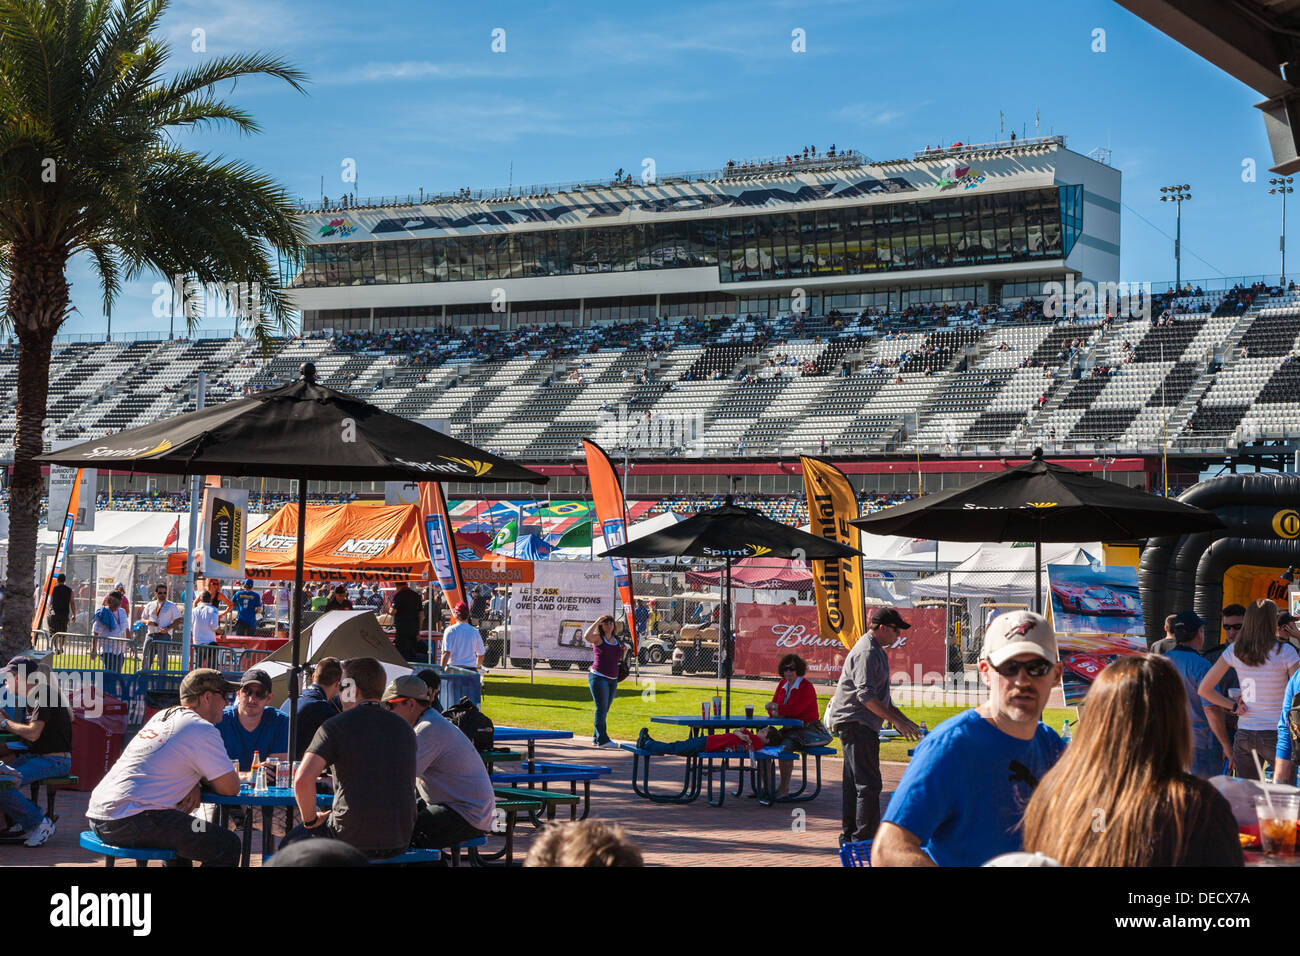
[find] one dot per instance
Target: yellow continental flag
(837, 582)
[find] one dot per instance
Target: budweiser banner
(837, 583)
(767, 632)
(225, 522)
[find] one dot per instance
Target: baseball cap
(462, 609)
(23, 662)
(889, 617)
(1019, 632)
(1286, 618)
(248, 582)
(256, 676)
(1189, 622)
(408, 685)
(203, 680)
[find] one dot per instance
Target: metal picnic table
(517, 734)
(268, 801)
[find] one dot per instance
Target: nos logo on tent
(364, 546)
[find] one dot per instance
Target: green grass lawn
(558, 703)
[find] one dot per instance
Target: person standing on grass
(961, 798)
(860, 706)
(602, 678)
(462, 643)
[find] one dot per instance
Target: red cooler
(98, 723)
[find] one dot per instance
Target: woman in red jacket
(797, 698)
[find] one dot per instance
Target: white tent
(1002, 573)
(133, 532)
(340, 634)
(887, 552)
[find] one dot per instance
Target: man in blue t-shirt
(249, 725)
(962, 797)
(1188, 630)
(247, 601)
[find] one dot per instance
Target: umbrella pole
(296, 618)
(1038, 576)
(729, 645)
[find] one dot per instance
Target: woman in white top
(1263, 665)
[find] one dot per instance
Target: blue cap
(1188, 622)
(248, 582)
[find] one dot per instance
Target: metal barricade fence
(166, 656)
(83, 652)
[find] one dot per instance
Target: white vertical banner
(61, 481)
(225, 522)
(111, 570)
(555, 609)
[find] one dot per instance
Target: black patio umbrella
(1039, 501)
(302, 430)
(731, 532)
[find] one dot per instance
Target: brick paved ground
(740, 833)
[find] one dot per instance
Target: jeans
(323, 832)
(860, 791)
(191, 837)
(1207, 760)
(602, 692)
(32, 767)
(678, 748)
(1262, 741)
(438, 826)
(150, 654)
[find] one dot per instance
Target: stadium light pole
(1282, 186)
(1176, 194)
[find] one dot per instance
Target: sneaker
(44, 830)
(643, 739)
(610, 745)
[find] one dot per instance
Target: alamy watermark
(1086, 299)
(662, 431)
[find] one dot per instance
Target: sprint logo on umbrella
(748, 551)
(458, 466)
(100, 451)
(1042, 504)
(480, 468)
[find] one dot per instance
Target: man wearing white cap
(961, 799)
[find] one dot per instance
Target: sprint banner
(225, 522)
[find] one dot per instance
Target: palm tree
(89, 164)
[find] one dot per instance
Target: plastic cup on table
(1277, 814)
(749, 711)
(717, 707)
(704, 710)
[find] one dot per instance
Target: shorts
(245, 630)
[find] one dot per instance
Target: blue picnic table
(267, 802)
(531, 735)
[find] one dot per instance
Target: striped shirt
(1262, 688)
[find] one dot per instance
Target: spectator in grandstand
(860, 705)
(602, 678)
(372, 754)
(47, 734)
(960, 799)
(456, 802)
(583, 843)
(161, 617)
(796, 698)
(146, 798)
(319, 702)
(1127, 770)
(250, 726)
(1264, 664)
(247, 602)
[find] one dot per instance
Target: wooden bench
(52, 787)
(89, 841)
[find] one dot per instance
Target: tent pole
(295, 616)
(729, 645)
(1038, 576)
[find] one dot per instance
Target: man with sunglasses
(160, 617)
(1222, 723)
(860, 705)
(1188, 630)
(249, 725)
(961, 798)
(456, 799)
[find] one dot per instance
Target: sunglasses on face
(256, 693)
(1034, 668)
(1232, 627)
(788, 667)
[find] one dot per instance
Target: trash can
(458, 682)
(98, 724)
(156, 700)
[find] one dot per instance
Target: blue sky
(416, 96)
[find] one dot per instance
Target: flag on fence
(174, 535)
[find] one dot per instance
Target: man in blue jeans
(47, 733)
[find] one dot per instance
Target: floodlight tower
(1176, 194)
(1282, 186)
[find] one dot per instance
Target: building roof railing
(772, 165)
(962, 149)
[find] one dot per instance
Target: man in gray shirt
(456, 798)
(860, 705)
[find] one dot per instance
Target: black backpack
(473, 723)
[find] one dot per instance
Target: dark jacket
(314, 708)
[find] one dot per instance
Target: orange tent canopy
(494, 568)
(347, 542)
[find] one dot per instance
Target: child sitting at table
(740, 740)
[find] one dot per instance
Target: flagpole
(190, 570)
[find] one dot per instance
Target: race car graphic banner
(1097, 614)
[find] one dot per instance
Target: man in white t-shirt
(146, 799)
(206, 620)
(161, 617)
(462, 644)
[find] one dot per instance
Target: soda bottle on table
(255, 768)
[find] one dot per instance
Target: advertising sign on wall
(550, 614)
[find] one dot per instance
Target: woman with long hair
(602, 679)
(1263, 665)
(1121, 795)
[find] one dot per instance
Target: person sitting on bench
(712, 743)
(48, 735)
